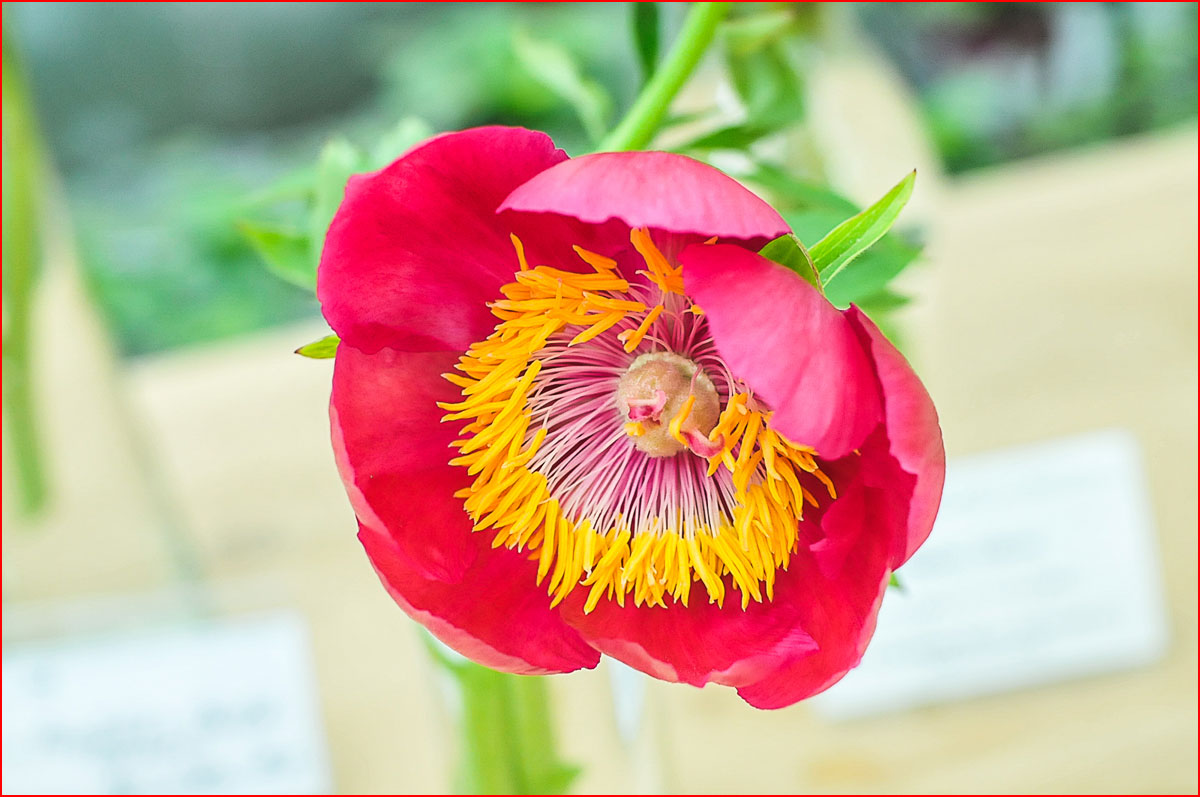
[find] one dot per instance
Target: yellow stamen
(520, 247)
(676, 425)
(631, 338)
(657, 562)
(598, 262)
(669, 279)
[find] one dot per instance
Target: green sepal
(786, 250)
(894, 582)
(322, 349)
(852, 237)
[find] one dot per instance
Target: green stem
(22, 167)
(641, 123)
(506, 731)
(20, 414)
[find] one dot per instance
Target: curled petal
(914, 436)
(839, 611)
(789, 344)
(416, 250)
(659, 190)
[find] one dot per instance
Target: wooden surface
(1059, 296)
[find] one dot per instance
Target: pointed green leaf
(285, 252)
(895, 582)
(786, 250)
(322, 349)
(852, 237)
(646, 36)
(555, 68)
(870, 272)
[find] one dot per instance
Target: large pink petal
(697, 644)
(393, 455)
(416, 249)
(839, 606)
(789, 344)
(495, 616)
(815, 629)
(390, 447)
(915, 438)
(659, 190)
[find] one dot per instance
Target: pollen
(607, 440)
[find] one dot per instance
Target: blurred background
(181, 579)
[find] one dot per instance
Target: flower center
(668, 401)
(607, 437)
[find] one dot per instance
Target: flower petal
(660, 190)
(815, 629)
(697, 644)
(495, 617)
(416, 250)
(789, 344)
(839, 611)
(390, 446)
(915, 438)
(393, 455)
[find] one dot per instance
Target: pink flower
(576, 413)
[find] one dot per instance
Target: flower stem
(641, 123)
(22, 167)
(505, 728)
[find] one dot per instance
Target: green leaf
(852, 237)
(322, 349)
(732, 137)
(794, 192)
(884, 301)
(338, 160)
(555, 68)
(753, 32)
(400, 139)
(646, 36)
(768, 86)
(284, 250)
(873, 269)
(786, 250)
(895, 582)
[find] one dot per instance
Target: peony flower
(576, 413)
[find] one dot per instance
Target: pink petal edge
(659, 190)
(914, 434)
(416, 250)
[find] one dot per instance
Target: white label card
(1042, 566)
(222, 706)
